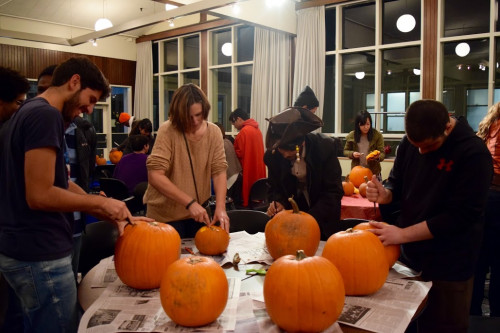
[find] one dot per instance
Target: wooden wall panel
(31, 61)
(430, 45)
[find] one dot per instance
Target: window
(176, 61)
(230, 71)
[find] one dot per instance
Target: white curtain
(271, 75)
(143, 97)
(310, 53)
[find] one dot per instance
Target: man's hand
(132, 220)
(376, 192)
(221, 216)
(388, 234)
(198, 213)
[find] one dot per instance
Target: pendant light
(102, 23)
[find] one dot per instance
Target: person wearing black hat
(303, 165)
(307, 100)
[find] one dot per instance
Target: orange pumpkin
(211, 240)
(115, 156)
(392, 252)
(373, 155)
(99, 160)
(362, 187)
(360, 258)
(194, 291)
(309, 286)
(358, 174)
(348, 186)
(143, 253)
(290, 231)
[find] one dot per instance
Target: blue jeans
(46, 291)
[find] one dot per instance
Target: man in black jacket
(303, 165)
(440, 180)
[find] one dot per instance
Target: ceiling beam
(33, 37)
(193, 8)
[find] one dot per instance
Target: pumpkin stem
(366, 179)
(300, 255)
(295, 207)
(194, 260)
(350, 230)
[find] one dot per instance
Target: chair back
(114, 188)
(98, 242)
(251, 221)
(258, 195)
(350, 223)
(105, 171)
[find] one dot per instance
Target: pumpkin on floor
(290, 231)
(115, 156)
(211, 240)
(360, 258)
(194, 291)
(358, 174)
(143, 253)
(392, 252)
(303, 294)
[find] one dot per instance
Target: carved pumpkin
(303, 294)
(360, 258)
(362, 187)
(211, 240)
(115, 156)
(143, 253)
(194, 291)
(358, 174)
(99, 160)
(290, 231)
(373, 155)
(392, 252)
(348, 186)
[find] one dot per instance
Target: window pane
(170, 85)
(357, 81)
(330, 28)
(358, 26)
(191, 52)
(156, 103)
(192, 77)
(244, 43)
(170, 61)
(155, 58)
(400, 70)
(395, 25)
(244, 74)
(96, 118)
(496, 98)
(463, 17)
(221, 93)
(329, 98)
(477, 106)
(462, 74)
(219, 38)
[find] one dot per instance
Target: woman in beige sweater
(173, 195)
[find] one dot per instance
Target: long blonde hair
(485, 124)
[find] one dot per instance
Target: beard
(69, 111)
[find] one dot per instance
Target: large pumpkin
(348, 186)
(358, 174)
(392, 252)
(303, 294)
(360, 258)
(143, 253)
(194, 291)
(115, 156)
(290, 231)
(211, 240)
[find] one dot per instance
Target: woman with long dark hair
(362, 141)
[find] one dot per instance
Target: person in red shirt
(249, 147)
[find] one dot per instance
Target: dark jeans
(186, 228)
(489, 259)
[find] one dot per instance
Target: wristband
(190, 203)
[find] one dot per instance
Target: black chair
(349, 223)
(258, 195)
(98, 242)
(116, 189)
(104, 171)
(251, 221)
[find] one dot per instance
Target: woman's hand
(356, 154)
(274, 208)
(221, 216)
(198, 213)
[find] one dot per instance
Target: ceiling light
(102, 23)
(227, 49)
(416, 71)
(236, 8)
(171, 23)
(406, 23)
(359, 75)
(462, 49)
(169, 6)
(389, 72)
(274, 3)
(93, 41)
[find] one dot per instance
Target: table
(249, 295)
(355, 206)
